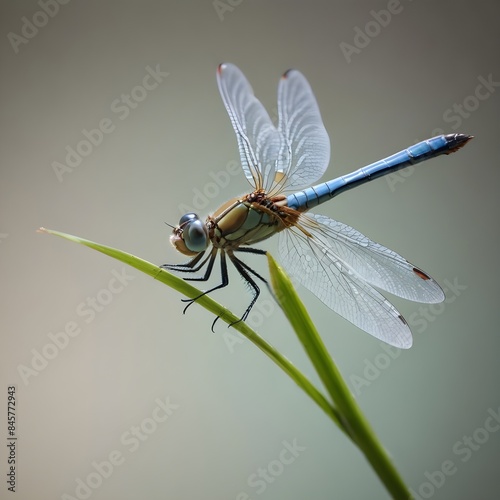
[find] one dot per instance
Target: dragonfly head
(190, 236)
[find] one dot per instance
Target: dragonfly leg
(208, 272)
(248, 268)
(258, 251)
(245, 272)
(188, 267)
(224, 276)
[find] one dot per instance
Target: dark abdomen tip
(457, 141)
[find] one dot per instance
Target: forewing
(306, 142)
(374, 263)
(259, 141)
(341, 289)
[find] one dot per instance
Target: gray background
(235, 407)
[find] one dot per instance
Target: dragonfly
(283, 163)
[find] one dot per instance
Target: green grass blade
(211, 305)
(350, 414)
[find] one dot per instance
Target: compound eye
(187, 217)
(195, 235)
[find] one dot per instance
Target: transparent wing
(372, 262)
(259, 142)
(318, 269)
(340, 266)
(307, 146)
(286, 159)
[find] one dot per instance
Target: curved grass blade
(350, 414)
(211, 305)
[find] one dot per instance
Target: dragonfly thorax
(245, 221)
(190, 236)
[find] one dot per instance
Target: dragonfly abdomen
(313, 196)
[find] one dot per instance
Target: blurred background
(112, 124)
